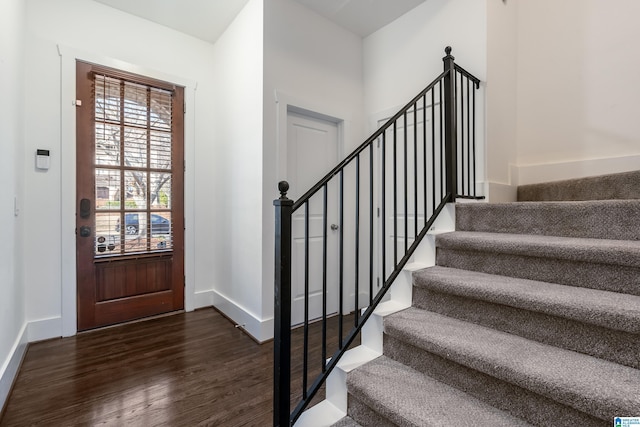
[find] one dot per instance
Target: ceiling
(361, 17)
(208, 19)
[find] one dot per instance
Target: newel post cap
(447, 51)
(283, 187)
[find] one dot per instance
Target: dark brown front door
(129, 212)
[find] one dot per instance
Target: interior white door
(312, 150)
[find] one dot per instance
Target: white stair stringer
(334, 407)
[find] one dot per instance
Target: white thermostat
(42, 159)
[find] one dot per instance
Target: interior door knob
(334, 226)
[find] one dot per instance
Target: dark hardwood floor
(187, 369)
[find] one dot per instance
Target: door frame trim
(286, 103)
(332, 214)
(67, 148)
(347, 133)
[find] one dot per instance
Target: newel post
(450, 124)
(282, 309)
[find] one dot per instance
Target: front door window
(133, 167)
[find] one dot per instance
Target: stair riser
(361, 413)
(599, 220)
(615, 346)
(522, 403)
(606, 277)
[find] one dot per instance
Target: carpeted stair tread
(612, 310)
(588, 384)
(346, 422)
(624, 185)
(601, 219)
(406, 397)
(603, 251)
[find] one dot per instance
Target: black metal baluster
(474, 140)
(424, 154)
(406, 209)
(305, 361)
(415, 170)
(357, 237)
(383, 207)
(442, 151)
(324, 279)
(341, 260)
(395, 197)
(370, 223)
(462, 156)
(468, 142)
(433, 148)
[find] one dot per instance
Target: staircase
(531, 316)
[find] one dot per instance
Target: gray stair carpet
(601, 219)
(531, 315)
(614, 186)
(553, 380)
(405, 397)
(612, 265)
(346, 422)
(598, 323)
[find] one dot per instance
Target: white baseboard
(45, 329)
(534, 174)
(260, 330)
(498, 192)
(501, 193)
(10, 368)
(203, 299)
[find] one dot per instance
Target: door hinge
(184, 165)
(184, 108)
(378, 281)
(378, 212)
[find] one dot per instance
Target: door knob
(334, 226)
(85, 231)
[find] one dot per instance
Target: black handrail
(448, 165)
(306, 196)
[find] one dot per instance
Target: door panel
(130, 222)
(131, 278)
(312, 151)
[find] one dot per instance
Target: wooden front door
(129, 211)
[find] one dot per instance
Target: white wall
(577, 88)
(501, 105)
(12, 312)
(94, 32)
(232, 185)
(310, 63)
(405, 56)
